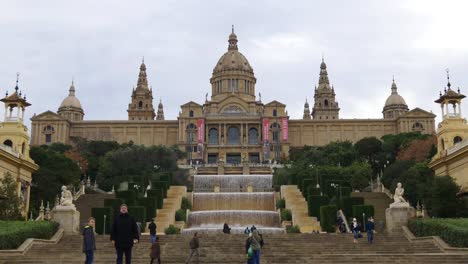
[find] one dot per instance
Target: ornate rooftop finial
(394, 86)
(142, 80)
(72, 88)
(232, 40)
(448, 78)
(17, 80)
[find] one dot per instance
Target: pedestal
(396, 217)
(67, 217)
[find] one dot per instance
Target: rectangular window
(48, 138)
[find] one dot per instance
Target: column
(459, 109)
(6, 112)
(241, 134)
(442, 108)
(446, 109)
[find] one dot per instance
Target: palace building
(233, 125)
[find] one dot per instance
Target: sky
(100, 44)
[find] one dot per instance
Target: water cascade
(239, 200)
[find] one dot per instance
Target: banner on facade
(201, 130)
(266, 129)
(284, 125)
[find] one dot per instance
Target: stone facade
(233, 125)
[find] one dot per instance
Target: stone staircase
(87, 201)
(299, 210)
(278, 249)
(166, 215)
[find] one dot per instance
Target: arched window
(457, 139)
(233, 135)
(8, 143)
(325, 102)
(191, 113)
(418, 126)
(275, 113)
(253, 136)
(213, 136)
(191, 129)
(140, 104)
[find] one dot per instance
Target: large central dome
(233, 74)
(232, 59)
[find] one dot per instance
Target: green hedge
(139, 214)
(314, 202)
(114, 204)
(312, 190)
(345, 192)
(363, 208)
(161, 185)
(452, 231)
(158, 194)
(280, 204)
(305, 185)
(129, 197)
(150, 204)
(181, 215)
(185, 204)
(347, 203)
(98, 214)
(286, 215)
(14, 233)
(172, 230)
(293, 229)
(327, 218)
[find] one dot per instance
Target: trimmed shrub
(305, 185)
(358, 210)
(345, 192)
(293, 229)
(186, 204)
(181, 215)
(139, 214)
(280, 204)
(161, 185)
(98, 214)
(114, 204)
(129, 197)
(453, 231)
(314, 202)
(347, 204)
(286, 215)
(172, 230)
(150, 204)
(158, 194)
(312, 190)
(14, 233)
(327, 218)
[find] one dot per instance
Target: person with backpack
(194, 245)
(249, 250)
(89, 241)
(255, 243)
(152, 229)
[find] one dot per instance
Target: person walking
(256, 245)
(370, 229)
(124, 233)
(194, 245)
(152, 229)
(155, 251)
(356, 230)
(89, 241)
(249, 250)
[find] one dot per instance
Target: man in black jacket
(124, 233)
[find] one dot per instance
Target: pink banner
(266, 129)
(284, 123)
(201, 130)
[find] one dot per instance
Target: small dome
(233, 60)
(71, 100)
(395, 98)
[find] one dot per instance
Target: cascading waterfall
(239, 200)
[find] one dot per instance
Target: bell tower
(141, 106)
(325, 105)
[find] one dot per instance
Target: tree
(360, 175)
(55, 170)
(442, 200)
(368, 148)
(10, 208)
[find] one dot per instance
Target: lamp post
(317, 177)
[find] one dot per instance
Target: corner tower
(141, 106)
(325, 105)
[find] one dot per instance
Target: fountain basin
(263, 201)
(234, 217)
